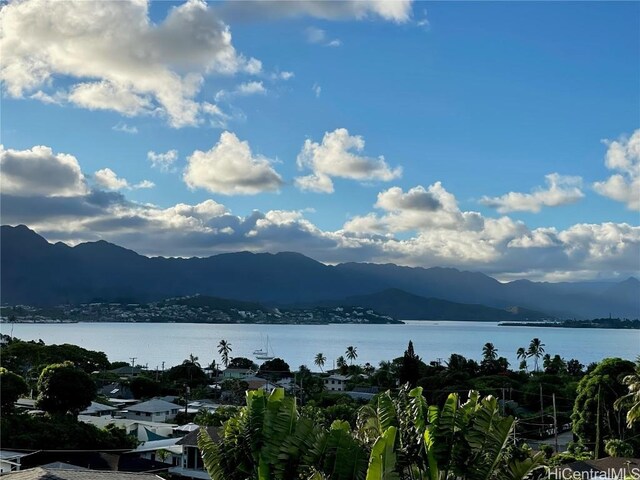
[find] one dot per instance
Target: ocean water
(171, 343)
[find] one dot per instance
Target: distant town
(194, 309)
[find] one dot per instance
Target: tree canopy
(64, 388)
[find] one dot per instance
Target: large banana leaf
(382, 461)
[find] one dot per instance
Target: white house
(140, 429)
(153, 410)
(10, 461)
(336, 383)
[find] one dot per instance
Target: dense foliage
(64, 388)
(23, 431)
(12, 386)
(398, 438)
(595, 419)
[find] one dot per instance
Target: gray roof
(154, 406)
(40, 473)
(96, 407)
(191, 439)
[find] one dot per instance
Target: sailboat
(260, 351)
(264, 354)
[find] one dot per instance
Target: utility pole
(555, 420)
(503, 400)
(187, 391)
(133, 364)
(541, 406)
(597, 449)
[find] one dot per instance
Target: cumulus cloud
(623, 156)
(398, 11)
(108, 179)
(416, 210)
(560, 190)
(339, 155)
(163, 161)
(39, 171)
(135, 66)
(230, 168)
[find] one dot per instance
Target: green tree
(275, 368)
(594, 417)
(536, 349)
(319, 361)
(144, 387)
(242, 362)
(521, 354)
(489, 352)
(224, 349)
(64, 388)
(410, 365)
(12, 386)
(351, 353)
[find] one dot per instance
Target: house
(336, 383)
(165, 450)
(237, 373)
(28, 405)
(116, 390)
(609, 468)
(10, 461)
(153, 410)
(98, 410)
(41, 473)
(191, 465)
(140, 429)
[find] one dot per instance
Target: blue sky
(486, 98)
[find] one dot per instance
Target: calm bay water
(171, 343)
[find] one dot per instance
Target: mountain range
(36, 272)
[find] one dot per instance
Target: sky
(486, 136)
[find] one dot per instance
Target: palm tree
(489, 352)
(224, 349)
(522, 356)
(341, 362)
(633, 397)
(319, 360)
(192, 360)
(536, 349)
(351, 353)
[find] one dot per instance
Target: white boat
(264, 354)
(260, 351)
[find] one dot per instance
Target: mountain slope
(39, 273)
(406, 306)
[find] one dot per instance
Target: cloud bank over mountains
(63, 205)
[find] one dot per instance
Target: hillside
(37, 272)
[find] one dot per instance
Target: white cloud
(243, 90)
(560, 190)
(419, 209)
(398, 11)
(124, 128)
(339, 156)
(135, 66)
(316, 89)
(623, 156)
(38, 171)
(230, 168)
(318, 36)
(285, 75)
(108, 179)
(163, 161)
